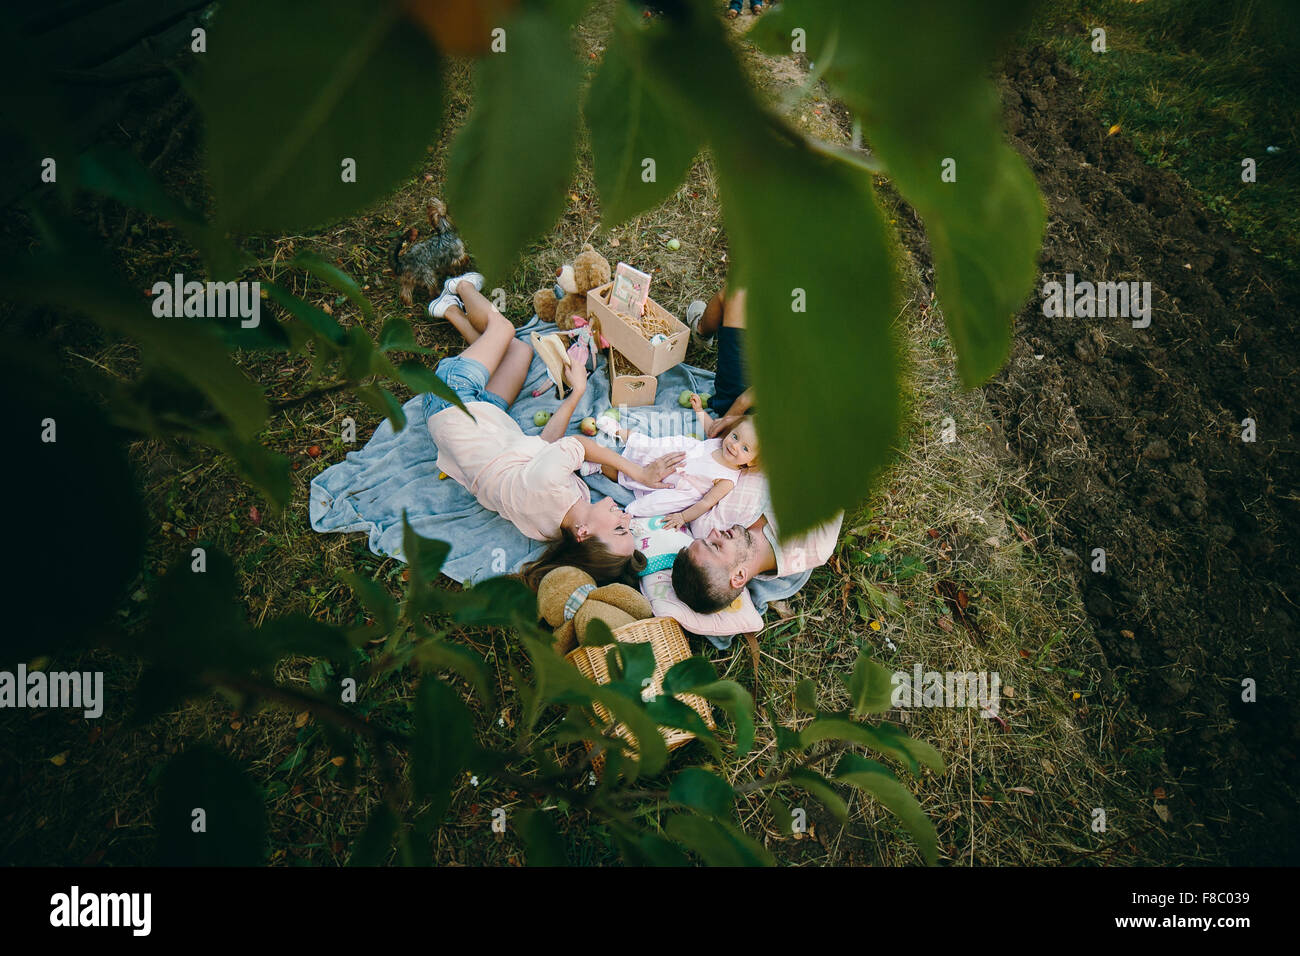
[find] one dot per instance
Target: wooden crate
(631, 336)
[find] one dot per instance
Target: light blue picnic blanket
(397, 472)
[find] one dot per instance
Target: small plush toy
(568, 296)
(569, 600)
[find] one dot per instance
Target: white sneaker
(439, 306)
(475, 279)
(695, 312)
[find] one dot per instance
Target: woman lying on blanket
(530, 479)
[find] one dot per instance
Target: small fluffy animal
(430, 261)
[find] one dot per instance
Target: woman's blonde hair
(590, 555)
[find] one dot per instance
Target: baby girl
(704, 478)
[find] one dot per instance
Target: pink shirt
(523, 478)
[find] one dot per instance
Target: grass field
(1021, 790)
(1200, 86)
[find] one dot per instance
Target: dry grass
(945, 512)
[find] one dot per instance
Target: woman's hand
(576, 373)
(653, 473)
(674, 520)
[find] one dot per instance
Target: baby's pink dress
(691, 481)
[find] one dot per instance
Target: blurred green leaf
(893, 741)
(200, 605)
(739, 706)
(668, 711)
(499, 601)
(376, 840)
(889, 742)
(420, 378)
(638, 666)
(805, 695)
(335, 277)
(424, 558)
(374, 597)
(233, 819)
(700, 790)
(283, 114)
(358, 354)
(120, 175)
(876, 779)
(503, 198)
(819, 787)
(299, 634)
(782, 818)
(685, 676)
(630, 124)
(385, 403)
(83, 472)
(916, 120)
(653, 850)
(324, 326)
(717, 844)
(318, 677)
(73, 272)
(441, 745)
(443, 655)
(264, 469)
(556, 679)
(542, 843)
(398, 334)
(597, 634)
(812, 355)
(870, 686)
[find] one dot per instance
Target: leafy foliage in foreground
(806, 237)
(558, 709)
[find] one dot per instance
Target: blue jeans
(468, 378)
(739, 5)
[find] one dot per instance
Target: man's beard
(747, 539)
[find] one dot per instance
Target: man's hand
(653, 474)
(723, 425)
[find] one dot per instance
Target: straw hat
(553, 350)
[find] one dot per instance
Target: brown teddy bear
(569, 600)
(568, 296)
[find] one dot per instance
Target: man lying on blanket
(737, 541)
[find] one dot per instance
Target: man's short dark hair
(703, 590)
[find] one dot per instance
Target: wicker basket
(668, 641)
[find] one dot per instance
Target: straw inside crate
(656, 320)
(619, 365)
